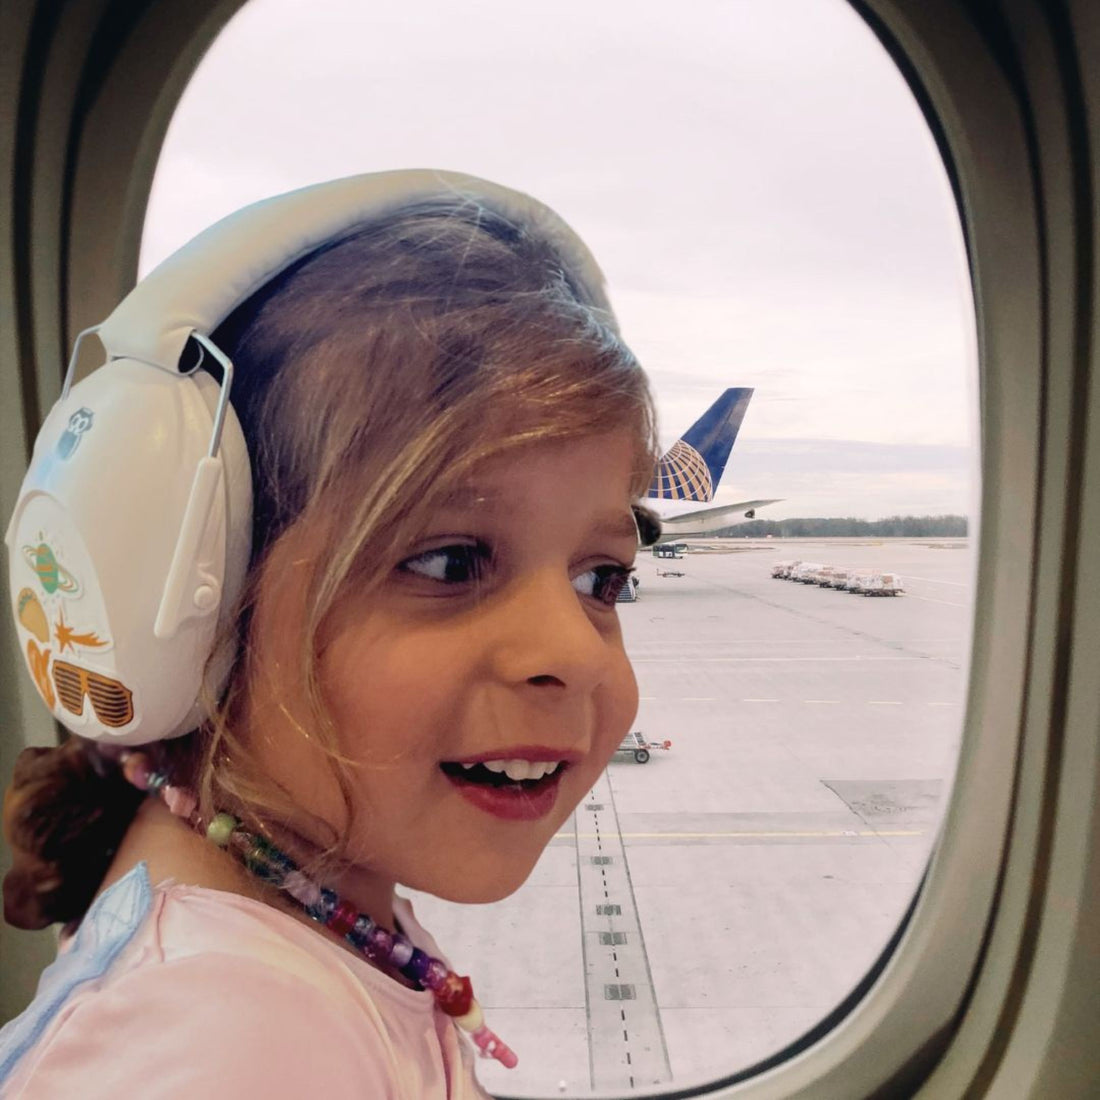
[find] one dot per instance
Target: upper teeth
(518, 770)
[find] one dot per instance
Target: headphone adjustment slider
(192, 589)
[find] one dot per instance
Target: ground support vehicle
(882, 584)
(806, 572)
(879, 584)
(634, 744)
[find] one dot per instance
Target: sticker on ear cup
(38, 661)
(31, 616)
(112, 701)
(79, 423)
(67, 638)
(52, 575)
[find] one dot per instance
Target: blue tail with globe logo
(692, 468)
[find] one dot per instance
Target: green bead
(221, 828)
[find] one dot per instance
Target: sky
(754, 177)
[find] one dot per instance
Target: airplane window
(785, 257)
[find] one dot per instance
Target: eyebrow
(608, 524)
(466, 496)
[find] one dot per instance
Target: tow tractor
(634, 744)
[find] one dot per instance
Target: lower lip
(512, 803)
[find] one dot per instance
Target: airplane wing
(705, 521)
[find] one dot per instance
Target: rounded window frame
(1011, 186)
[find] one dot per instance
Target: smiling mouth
(511, 790)
(504, 775)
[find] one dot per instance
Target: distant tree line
(848, 527)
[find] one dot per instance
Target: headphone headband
(197, 287)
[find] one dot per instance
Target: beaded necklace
(453, 993)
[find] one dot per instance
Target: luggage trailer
(634, 744)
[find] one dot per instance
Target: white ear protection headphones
(132, 532)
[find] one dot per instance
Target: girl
(415, 678)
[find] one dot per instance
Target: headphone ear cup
(105, 519)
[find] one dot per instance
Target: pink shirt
(180, 991)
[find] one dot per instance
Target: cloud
(837, 478)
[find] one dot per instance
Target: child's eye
(604, 583)
(461, 563)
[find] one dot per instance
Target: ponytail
(65, 814)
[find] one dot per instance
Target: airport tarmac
(703, 910)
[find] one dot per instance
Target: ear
(281, 612)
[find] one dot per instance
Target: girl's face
(491, 656)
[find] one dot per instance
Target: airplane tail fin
(692, 468)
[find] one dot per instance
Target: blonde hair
(372, 377)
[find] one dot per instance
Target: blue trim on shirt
(107, 927)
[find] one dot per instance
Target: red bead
(343, 918)
(455, 996)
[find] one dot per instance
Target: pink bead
(301, 889)
(180, 801)
(492, 1047)
(136, 770)
(436, 975)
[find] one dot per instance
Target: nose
(544, 636)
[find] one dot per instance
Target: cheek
(621, 705)
(383, 683)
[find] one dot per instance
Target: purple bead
(417, 968)
(401, 952)
(379, 943)
(301, 889)
(359, 936)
